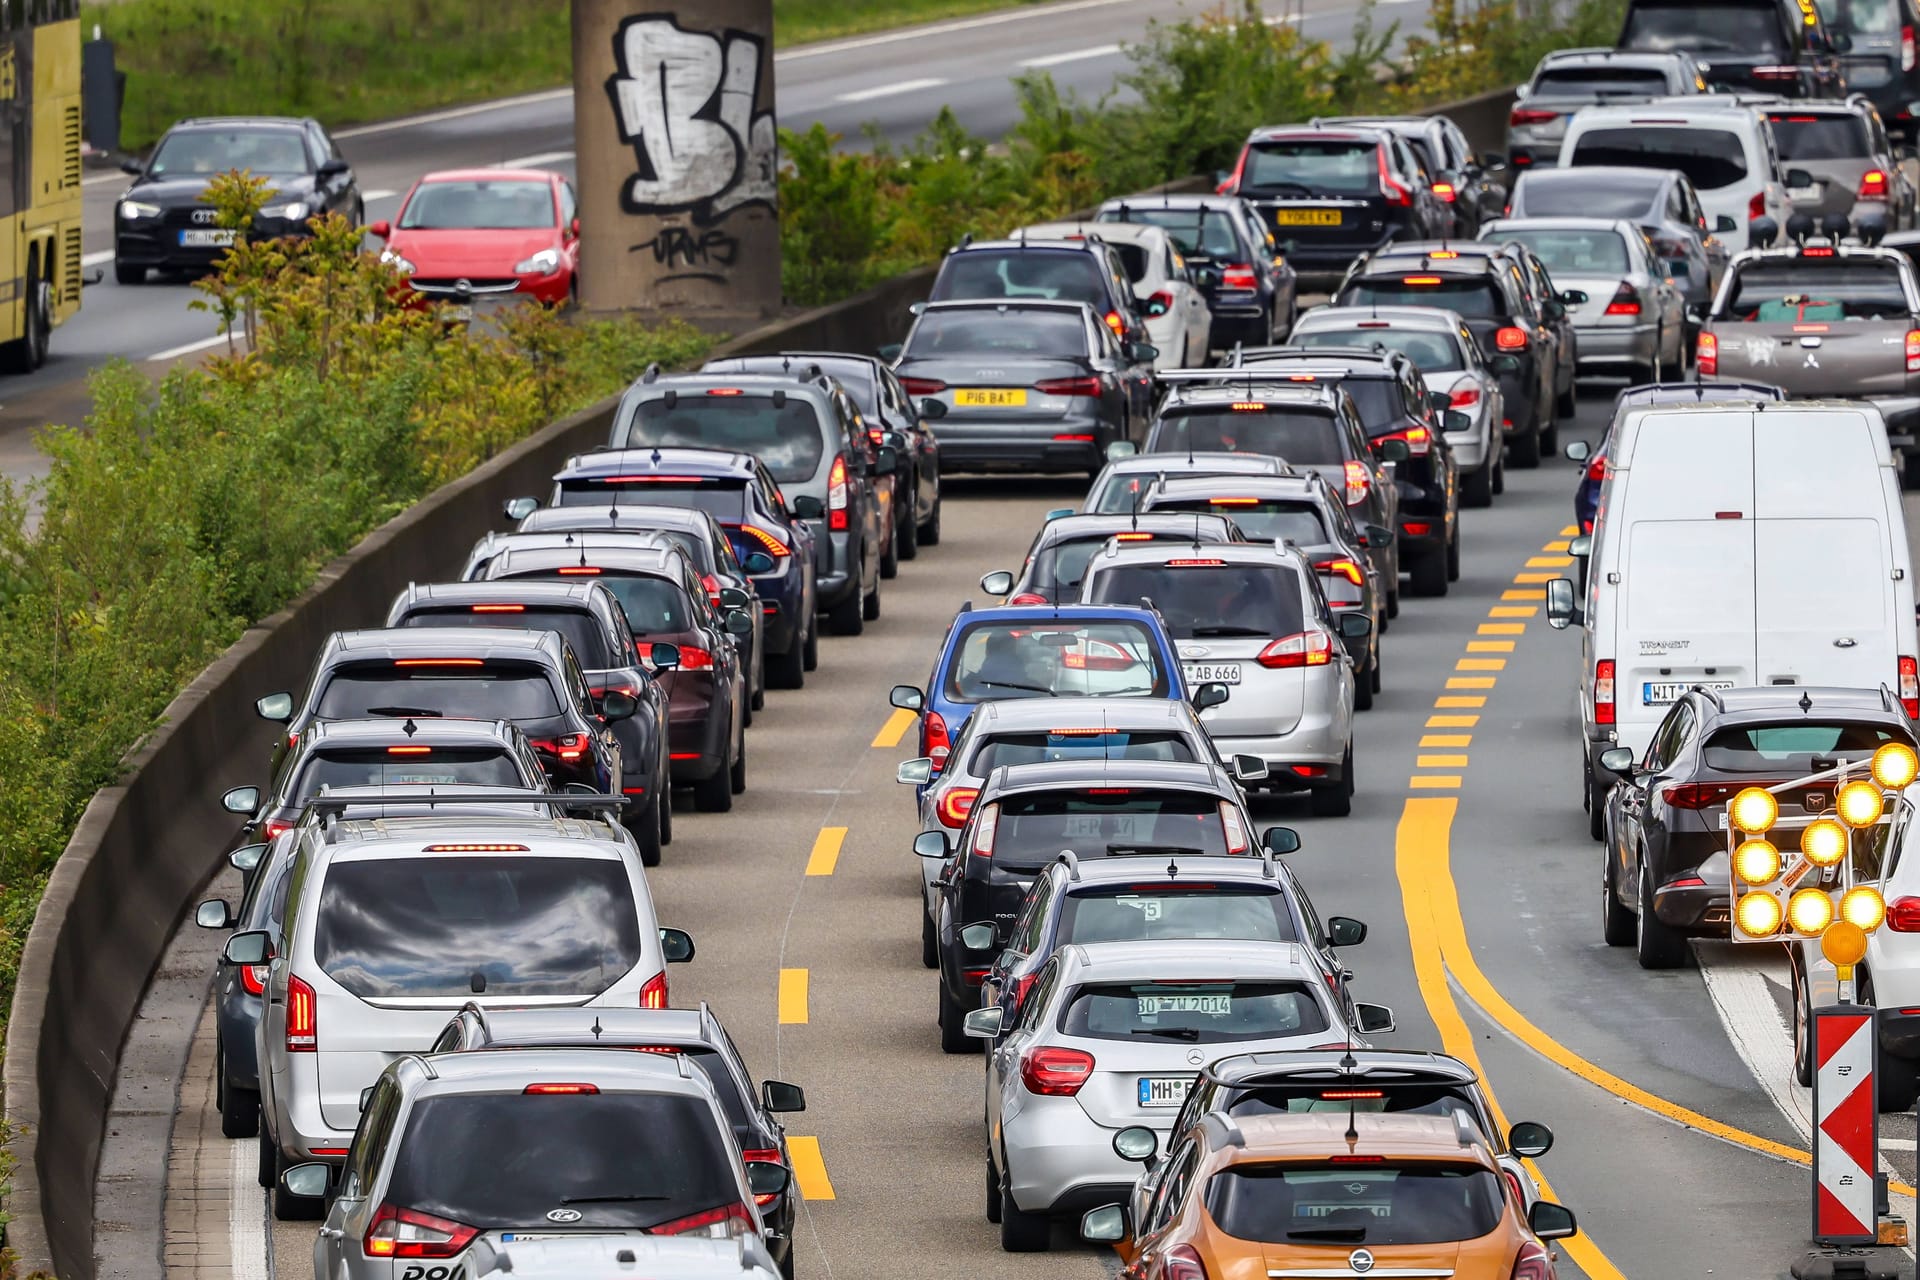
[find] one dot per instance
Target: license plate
(460, 314)
(1215, 1006)
(1212, 672)
(1655, 693)
(1306, 217)
(218, 238)
(990, 397)
(1164, 1091)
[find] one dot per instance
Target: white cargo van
(1749, 544)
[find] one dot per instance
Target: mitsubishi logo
(1361, 1261)
(203, 217)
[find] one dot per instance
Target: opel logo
(1360, 1260)
(203, 216)
(464, 286)
(573, 1215)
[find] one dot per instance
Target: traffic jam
(446, 1006)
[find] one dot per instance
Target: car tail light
(1359, 480)
(654, 994)
(1054, 1071)
(1343, 567)
(1416, 528)
(562, 1089)
(768, 1155)
(1396, 194)
(499, 608)
(1097, 655)
(1513, 1185)
(1231, 183)
(1028, 597)
(934, 742)
(1238, 275)
(1603, 691)
(1236, 827)
(303, 1017)
(1527, 115)
(728, 1222)
(1165, 300)
(694, 658)
(1597, 470)
(1024, 983)
(1306, 649)
(1510, 338)
(1626, 301)
(712, 584)
(1463, 398)
(1697, 795)
(1906, 48)
(1706, 355)
(922, 386)
(1757, 206)
(1873, 185)
(1183, 1263)
(1444, 190)
(1419, 440)
(571, 747)
(409, 751)
(1776, 73)
(277, 827)
(984, 831)
(1910, 686)
(1117, 323)
(1088, 386)
(1533, 1262)
(955, 804)
(837, 495)
(253, 978)
(768, 542)
(1913, 351)
(1903, 915)
(408, 1233)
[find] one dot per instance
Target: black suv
(1088, 271)
(1230, 255)
(1663, 814)
(1782, 47)
(1458, 177)
(1330, 192)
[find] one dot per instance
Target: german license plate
(1655, 693)
(460, 314)
(1212, 672)
(1164, 1091)
(990, 397)
(1306, 217)
(1214, 1006)
(218, 238)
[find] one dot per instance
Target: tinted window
(1064, 563)
(1199, 1012)
(1716, 28)
(1050, 659)
(458, 926)
(1133, 258)
(1378, 402)
(787, 436)
(1355, 1204)
(1811, 290)
(1016, 331)
(1475, 297)
(1207, 598)
(1575, 253)
(395, 766)
(1206, 233)
(723, 499)
(1046, 746)
(1055, 275)
(1596, 82)
(483, 205)
(1310, 167)
(1262, 519)
(1862, 17)
(1304, 1099)
(1611, 197)
(1823, 137)
(1137, 913)
(1304, 436)
(650, 603)
(1711, 158)
(205, 152)
(1032, 829)
(624, 1160)
(1790, 749)
(577, 627)
(1430, 352)
(505, 691)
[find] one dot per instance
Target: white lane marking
(379, 193)
(191, 347)
(539, 160)
(938, 29)
(95, 259)
(99, 178)
(246, 1215)
(889, 90)
(1283, 19)
(1077, 55)
(456, 113)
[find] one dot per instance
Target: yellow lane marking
(793, 997)
(1434, 782)
(1571, 531)
(1489, 646)
(1450, 722)
(826, 851)
(1462, 700)
(1513, 610)
(1446, 739)
(809, 1170)
(1537, 593)
(1559, 544)
(1481, 664)
(1470, 682)
(1439, 762)
(1502, 629)
(1548, 562)
(1524, 578)
(895, 728)
(1424, 827)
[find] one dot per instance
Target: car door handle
(332, 1233)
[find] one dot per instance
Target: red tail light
(499, 608)
(955, 804)
(408, 1233)
(1117, 323)
(984, 831)
(1706, 355)
(571, 747)
(1529, 115)
(562, 1089)
(922, 386)
(1906, 48)
(654, 994)
(934, 742)
(1238, 275)
(1307, 649)
(1183, 1263)
(837, 495)
(1342, 567)
(1910, 686)
(1597, 470)
(277, 827)
(1024, 983)
(1028, 597)
(770, 1155)
(1444, 190)
(1603, 691)
(1903, 915)
(1873, 185)
(1698, 795)
(1165, 300)
(1055, 1072)
(1232, 183)
(1913, 351)
(712, 584)
(1416, 528)
(1069, 386)
(1463, 398)
(1359, 480)
(1096, 655)
(1513, 1185)
(253, 978)
(303, 1017)
(768, 542)
(1395, 193)
(1510, 339)
(1235, 827)
(694, 658)
(1533, 1262)
(1419, 440)
(725, 1223)
(1626, 301)
(1757, 207)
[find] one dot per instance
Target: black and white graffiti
(684, 100)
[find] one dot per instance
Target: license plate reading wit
(1656, 693)
(1164, 1091)
(1306, 217)
(990, 397)
(1215, 1005)
(218, 238)
(1212, 672)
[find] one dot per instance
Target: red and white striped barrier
(1846, 1153)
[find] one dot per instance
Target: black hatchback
(1761, 46)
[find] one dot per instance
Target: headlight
(133, 210)
(292, 211)
(543, 263)
(398, 263)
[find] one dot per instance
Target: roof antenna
(1196, 531)
(596, 1026)
(1173, 868)
(583, 552)
(1806, 703)
(409, 728)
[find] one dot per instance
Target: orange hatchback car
(1326, 1194)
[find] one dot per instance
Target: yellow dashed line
(1434, 782)
(1481, 664)
(1537, 593)
(1446, 739)
(1548, 562)
(809, 1170)
(826, 851)
(1571, 531)
(1503, 629)
(1470, 682)
(1439, 762)
(1449, 722)
(1460, 700)
(1558, 545)
(1524, 578)
(1513, 610)
(895, 728)
(793, 997)
(1489, 646)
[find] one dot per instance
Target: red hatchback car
(500, 231)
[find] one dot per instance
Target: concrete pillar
(673, 127)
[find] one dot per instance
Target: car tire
(1616, 922)
(737, 775)
(1364, 685)
(1596, 805)
(1335, 800)
(930, 531)
(1656, 945)
(239, 1108)
(1567, 403)
(1393, 604)
(929, 945)
(288, 1207)
(1023, 1232)
(1429, 575)
(263, 1163)
(789, 670)
(870, 605)
(664, 790)
(714, 794)
(953, 1036)
(906, 533)
(128, 274)
(1802, 1031)
(810, 652)
(1523, 450)
(890, 558)
(645, 830)
(1476, 487)
(848, 618)
(786, 1263)
(993, 1191)
(1499, 475)
(1453, 554)
(1373, 677)
(1910, 469)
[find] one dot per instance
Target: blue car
(1586, 499)
(239, 988)
(769, 534)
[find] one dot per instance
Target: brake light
(571, 747)
(1390, 187)
(724, 391)
(1913, 351)
(1249, 406)
(408, 1233)
(1513, 1185)
(1510, 338)
(1350, 1095)
(1626, 301)
(1706, 354)
(1776, 73)
(1306, 649)
(1910, 686)
(770, 544)
(1236, 827)
(1603, 691)
(1117, 323)
(1416, 528)
(837, 495)
(499, 608)
(1342, 567)
(1356, 1159)
(1419, 440)
(409, 751)
(1420, 280)
(1529, 115)
(922, 386)
(1444, 190)
(1817, 251)
(475, 847)
(934, 742)
(1232, 183)
(1903, 915)
(1697, 795)
(277, 827)
(1873, 185)
(728, 1222)
(561, 1088)
(1359, 480)
(712, 584)
(579, 570)
(985, 829)
(1024, 983)
(1194, 564)
(1028, 597)
(253, 978)
(1906, 48)
(1183, 1263)
(654, 994)
(1463, 398)
(436, 662)
(1597, 470)
(1757, 206)
(1088, 386)
(1533, 1262)
(768, 1155)
(1055, 1072)
(694, 658)
(1238, 275)
(303, 1018)
(955, 804)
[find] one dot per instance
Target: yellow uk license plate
(990, 397)
(1306, 217)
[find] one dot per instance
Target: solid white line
(456, 113)
(1283, 19)
(190, 347)
(379, 194)
(95, 259)
(939, 29)
(889, 90)
(1078, 55)
(246, 1216)
(99, 178)
(539, 160)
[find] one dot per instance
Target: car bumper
(1058, 1161)
(780, 598)
(298, 1127)
(139, 245)
(1309, 756)
(841, 581)
(1903, 418)
(1033, 448)
(696, 733)
(1469, 447)
(1702, 908)
(239, 1015)
(1899, 1033)
(1610, 344)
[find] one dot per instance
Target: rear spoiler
(327, 807)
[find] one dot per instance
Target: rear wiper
(1170, 1033)
(609, 1199)
(1025, 688)
(1179, 850)
(403, 711)
(1275, 188)
(1329, 1233)
(1227, 630)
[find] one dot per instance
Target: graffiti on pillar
(684, 101)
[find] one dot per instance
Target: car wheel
(1335, 800)
(663, 791)
(239, 1108)
(1802, 1031)
(29, 351)
(263, 1164)
(1566, 404)
(786, 1263)
(1910, 469)
(1453, 554)
(930, 531)
(1373, 677)
(848, 618)
(1363, 685)
(1523, 450)
(789, 670)
(1429, 576)
(811, 651)
(870, 605)
(1499, 475)
(890, 559)
(1476, 487)
(929, 945)
(1616, 922)
(127, 273)
(993, 1191)
(1655, 944)
(1393, 604)
(953, 1037)
(906, 533)
(1596, 795)
(714, 794)
(1023, 1232)
(288, 1207)
(644, 827)
(737, 775)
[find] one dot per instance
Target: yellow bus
(40, 199)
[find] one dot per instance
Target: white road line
(246, 1216)
(1078, 55)
(889, 90)
(1283, 19)
(938, 29)
(539, 160)
(96, 259)
(379, 194)
(99, 178)
(191, 347)
(456, 113)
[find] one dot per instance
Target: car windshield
(1301, 1098)
(1046, 657)
(1205, 1012)
(1747, 30)
(1151, 912)
(454, 927)
(1201, 233)
(1261, 519)
(1430, 351)
(1045, 746)
(624, 1161)
(1032, 828)
(1811, 290)
(1862, 17)
(1201, 597)
(1303, 435)
(1020, 331)
(580, 629)
(722, 497)
(1056, 275)
(405, 763)
(1605, 80)
(449, 687)
(189, 152)
(1473, 296)
(1585, 196)
(781, 430)
(1306, 167)
(1575, 253)
(1711, 158)
(484, 205)
(1832, 136)
(1370, 1204)
(1792, 750)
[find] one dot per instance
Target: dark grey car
(1855, 169)
(1661, 201)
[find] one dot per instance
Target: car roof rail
(1221, 1131)
(1071, 861)
(652, 373)
(333, 806)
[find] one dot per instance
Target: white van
(1746, 544)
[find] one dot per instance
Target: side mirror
(214, 913)
(734, 598)
(978, 936)
(380, 230)
(333, 169)
(1618, 761)
(312, 1181)
(1372, 1019)
(1345, 931)
(808, 507)
(241, 800)
(1577, 451)
(1529, 1138)
(573, 228)
(366, 1096)
(1209, 695)
(517, 509)
(739, 623)
(1505, 362)
(984, 1024)
(1060, 513)
(1105, 1225)
(917, 772)
(1394, 451)
(1552, 1221)
(1799, 178)
(676, 945)
(255, 946)
(1573, 297)
(1142, 352)
(665, 657)
(779, 1096)
(886, 460)
(1280, 840)
(1121, 449)
(618, 704)
(134, 167)
(1439, 400)
(997, 583)
(277, 707)
(1581, 547)
(907, 698)
(246, 857)
(1249, 768)
(931, 844)
(1376, 535)
(1455, 420)
(888, 351)
(1353, 626)
(1724, 223)
(757, 562)
(1561, 610)
(932, 409)
(767, 1177)
(1136, 1144)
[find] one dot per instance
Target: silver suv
(1569, 79)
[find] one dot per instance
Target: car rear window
(1150, 912)
(1303, 435)
(1017, 331)
(1052, 658)
(1810, 290)
(458, 926)
(1598, 82)
(1474, 296)
(1193, 1012)
(1574, 252)
(506, 1160)
(1203, 233)
(722, 497)
(1561, 196)
(1794, 748)
(1306, 167)
(1712, 28)
(1378, 401)
(406, 763)
(1711, 158)
(1348, 1204)
(1201, 597)
(651, 603)
(1862, 17)
(484, 690)
(1032, 828)
(577, 627)
(1054, 275)
(783, 431)
(1063, 564)
(1070, 743)
(1298, 1098)
(1430, 352)
(1832, 136)
(1262, 519)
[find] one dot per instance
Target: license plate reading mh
(1164, 1091)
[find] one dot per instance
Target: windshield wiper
(403, 711)
(1228, 630)
(609, 1199)
(1170, 1033)
(1278, 188)
(1027, 688)
(1176, 849)
(1329, 1233)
